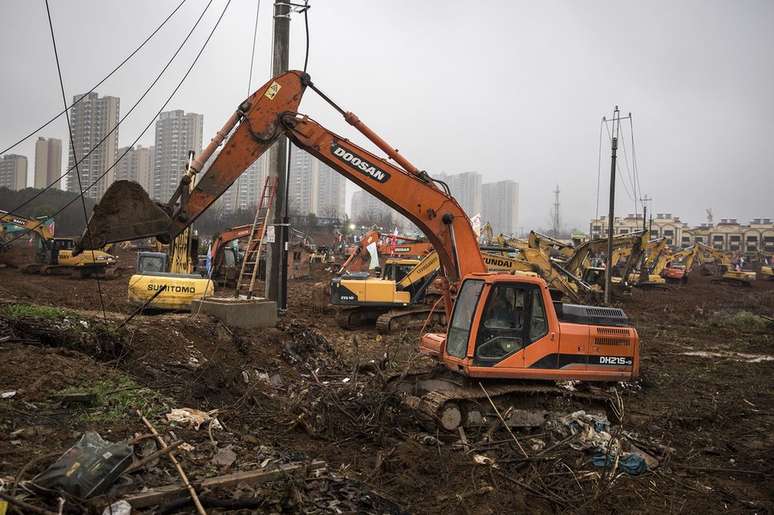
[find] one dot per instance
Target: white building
(728, 235)
(48, 162)
(367, 207)
(246, 191)
(136, 165)
(177, 133)
(92, 119)
(466, 188)
(13, 172)
(500, 206)
(314, 187)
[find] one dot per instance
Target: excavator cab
(509, 327)
(397, 269)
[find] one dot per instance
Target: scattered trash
(186, 447)
(88, 468)
(8, 395)
(118, 508)
(484, 460)
(630, 463)
(593, 434)
(193, 418)
(426, 439)
(536, 444)
(225, 457)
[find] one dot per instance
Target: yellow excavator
(679, 265)
(656, 257)
(549, 245)
(628, 247)
(167, 281)
(403, 295)
(725, 266)
(54, 256)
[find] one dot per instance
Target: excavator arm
(546, 243)
(39, 227)
(126, 212)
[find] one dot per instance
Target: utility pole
(611, 210)
(556, 212)
(275, 252)
(644, 200)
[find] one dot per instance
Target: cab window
(538, 326)
(464, 309)
(151, 264)
(229, 260)
(514, 317)
(501, 331)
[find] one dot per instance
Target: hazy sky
(511, 89)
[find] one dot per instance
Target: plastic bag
(88, 468)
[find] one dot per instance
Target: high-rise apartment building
(500, 206)
(330, 192)
(136, 165)
(246, 191)
(366, 207)
(304, 183)
(466, 188)
(177, 133)
(48, 162)
(13, 172)
(315, 187)
(92, 119)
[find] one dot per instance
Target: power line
(72, 145)
(618, 169)
(164, 105)
(100, 82)
(634, 155)
(118, 124)
(252, 54)
(599, 165)
(629, 172)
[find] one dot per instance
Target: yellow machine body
(180, 290)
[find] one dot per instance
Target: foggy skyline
(513, 91)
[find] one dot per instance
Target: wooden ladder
(251, 262)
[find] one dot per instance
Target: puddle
(736, 356)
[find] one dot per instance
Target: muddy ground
(704, 406)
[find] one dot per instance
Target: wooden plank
(166, 493)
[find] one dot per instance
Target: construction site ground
(309, 390)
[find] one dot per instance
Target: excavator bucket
(124, 213)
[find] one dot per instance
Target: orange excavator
(387, 246)
(502, 329)
(226, 260)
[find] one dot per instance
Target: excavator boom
(126, 212)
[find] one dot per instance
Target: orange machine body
(557, 350)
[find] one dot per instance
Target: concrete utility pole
(275, 290)
(611, 209)
(645, 201)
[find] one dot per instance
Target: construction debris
(306, 423)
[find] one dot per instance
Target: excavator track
(387, 320)
(396, 320)
(357, 316)
(443, 400)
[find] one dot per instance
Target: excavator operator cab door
(501, 323)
